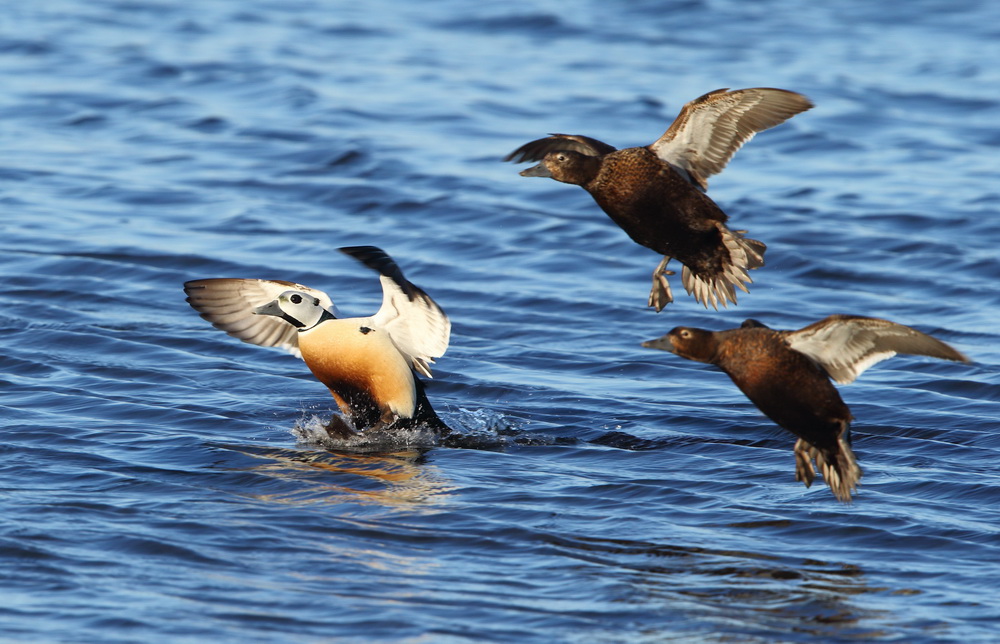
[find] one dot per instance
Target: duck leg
(660, 295)
(385, 421)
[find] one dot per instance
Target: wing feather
(417, 325)
(847, 345)
(228, 303)
(537, 149)
(710, 129)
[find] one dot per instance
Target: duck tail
(737, 256)
(424, 415)
(839, 467)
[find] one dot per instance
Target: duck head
(301, 310)
(687, 342)
(566, 166)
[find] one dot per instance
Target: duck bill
(536, 171)
(271, 308)
(663, 344)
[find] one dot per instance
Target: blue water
(162, 482)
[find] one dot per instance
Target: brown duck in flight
(656, 193)
(786, 374)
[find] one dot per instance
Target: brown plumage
(656, 193)
(368, 363)
(786, 374)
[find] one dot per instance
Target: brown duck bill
(536, 171)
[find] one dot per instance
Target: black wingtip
(374, 258)
(378, 260)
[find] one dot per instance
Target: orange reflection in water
(397, 478)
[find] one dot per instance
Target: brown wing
(710, 129)
(537, 149)
(846, 345)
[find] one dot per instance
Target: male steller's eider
(368, 363)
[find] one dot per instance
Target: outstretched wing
(846, 345)
(228, 303)
(537, 149)
(710, 129)
(417, 325)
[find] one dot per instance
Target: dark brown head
(566, 166)
(687, 342)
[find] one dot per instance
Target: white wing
(847, 345)
(711, 128)
(417, 325)
(228, 303)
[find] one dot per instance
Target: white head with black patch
(301, 310)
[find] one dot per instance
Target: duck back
(654, 203)
(792, 390)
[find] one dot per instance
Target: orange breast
(346, 359)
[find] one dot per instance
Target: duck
(656, 193)
(369, 364)
(787, 375)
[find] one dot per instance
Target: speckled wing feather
(846, 345)
(710, 129)
(228, 303)
(417, 325)
(537, 149)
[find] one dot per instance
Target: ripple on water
(164, 480)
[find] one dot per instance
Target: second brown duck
(786, 374)
(656, 193)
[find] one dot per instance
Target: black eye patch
(295, 298)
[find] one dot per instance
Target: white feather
(418, 327)
(229, 303)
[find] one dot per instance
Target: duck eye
(295, 298)
(685, 334)
(561, 158)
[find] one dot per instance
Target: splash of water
(471, 429)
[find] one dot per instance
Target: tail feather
(424, 414)
(742, 255)
(838, 465)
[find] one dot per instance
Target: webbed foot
(660, 295)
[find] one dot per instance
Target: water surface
(162, 482)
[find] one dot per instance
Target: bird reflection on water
(770, 591)
(387, 467)
(760, 591)
(397, 478)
